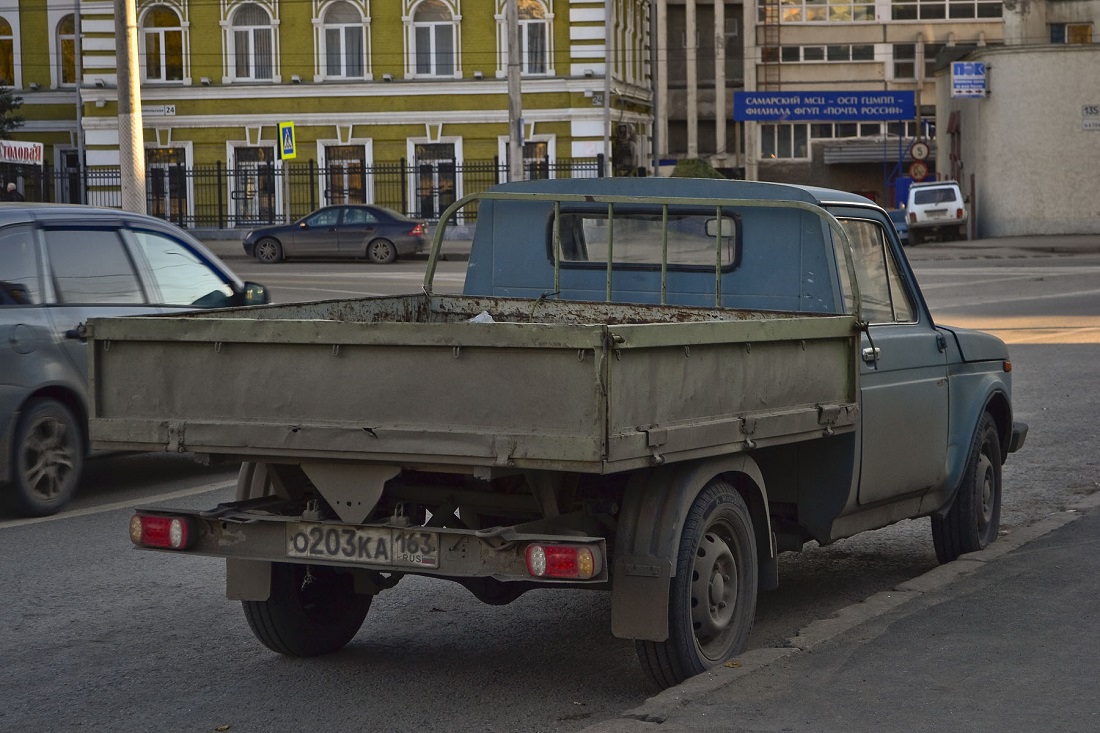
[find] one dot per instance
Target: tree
(9, 104)
(695, 168)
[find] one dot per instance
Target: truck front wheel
(312, 610)
(712, 599)
(973, 520)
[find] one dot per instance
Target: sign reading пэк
(824, 106)
(968, 79)
(20, 153)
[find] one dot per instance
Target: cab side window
(20, 279)
(91, 266)
(180, 276)
(883, 296)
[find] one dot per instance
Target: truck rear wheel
(312, 610)
(712, 599)
(974, 519)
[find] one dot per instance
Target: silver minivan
(59, 266)
(936, 210)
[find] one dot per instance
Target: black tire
(307, 615)
(712, 599)
(48, 459)
(972, 522)
(381, 251)
(268, 251)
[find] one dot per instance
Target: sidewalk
(1003, 640)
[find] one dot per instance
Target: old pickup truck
(648, 386)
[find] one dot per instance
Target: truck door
(903, 375)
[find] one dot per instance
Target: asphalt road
(97, 636)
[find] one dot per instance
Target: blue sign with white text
(968, 79)
(824, 106)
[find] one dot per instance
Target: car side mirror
(255, 294)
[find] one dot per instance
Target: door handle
(870, 354)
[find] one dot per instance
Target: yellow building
(399, 102)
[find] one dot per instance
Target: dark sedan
(347, 231)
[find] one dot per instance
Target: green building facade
(398, 102)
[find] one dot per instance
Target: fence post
(405, 188)
(221, 200)
(599, 165)
(312, 185)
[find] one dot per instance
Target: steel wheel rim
(988, 487)
(49, 457)
(714, 589)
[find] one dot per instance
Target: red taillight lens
(172, 533)
(958, 213)
(417, 231)
(563, 561)
(912, 218)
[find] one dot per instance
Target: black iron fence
(222, 197)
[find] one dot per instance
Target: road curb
(651, 714)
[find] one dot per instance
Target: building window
(784, 141)
(1070, 33)
(7, 53)
(945, 9)
(436, 179)
(253, 44)
(166, 184)
(433, 39)
(66, 51)
(822, 11)
(905, 60)
(799, 54)
(343, 42)
(828, 130)
(533, 37)
(162, 44)
(345, 179)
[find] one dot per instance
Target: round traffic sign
(919, 150)
(918, 170)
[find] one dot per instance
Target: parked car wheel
(312, 610)
(49, 457)
(712, 599)
(269, 251)
(381, 252)
(975, 517)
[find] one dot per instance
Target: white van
(936, 211)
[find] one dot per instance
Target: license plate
(366, 545)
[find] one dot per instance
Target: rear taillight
(912, 217)
(958, 213)
(577, 562)
(417, 231)
(166, 532)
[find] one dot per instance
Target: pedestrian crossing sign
(287, 147)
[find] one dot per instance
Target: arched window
(162, 44)
(433, 39)
(66, 51)
(7, 53)
(343, 40)
(253, 39)
(533, 37)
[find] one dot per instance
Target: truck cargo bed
(576, 386)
